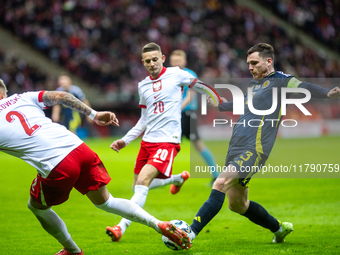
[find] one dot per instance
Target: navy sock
(257, 214)
(208, 211)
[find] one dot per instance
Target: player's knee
(233, 207)
(219, 184)
(223, 184)
(143, 181)
(34, 210)
(237, 206)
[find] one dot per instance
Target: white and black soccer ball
(182, 225)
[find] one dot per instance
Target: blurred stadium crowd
(320, 19)
(100, 40)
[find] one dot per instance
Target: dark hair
(265, 50)
(151, 47)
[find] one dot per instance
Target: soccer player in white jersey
(160, 96)
(63, 161)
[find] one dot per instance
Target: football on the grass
(182, 225)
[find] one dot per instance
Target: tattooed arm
(51, 98)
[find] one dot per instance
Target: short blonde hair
(2, 86)
(179, 53)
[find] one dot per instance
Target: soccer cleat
(175, 234)
(65, 252)
(279, 236)
(175, 189)
(114, 232)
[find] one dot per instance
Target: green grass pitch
(312, 205)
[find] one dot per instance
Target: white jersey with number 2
(26, 133)
(162, 98)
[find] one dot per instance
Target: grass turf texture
(312, 205)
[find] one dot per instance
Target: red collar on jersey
(163, 71)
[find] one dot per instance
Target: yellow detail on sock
(198, 218)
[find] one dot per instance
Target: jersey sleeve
(142, 102)
(226, 106)
(185, 78)
(37, 98)
(138, 129)
(315, 90)
(293, 82)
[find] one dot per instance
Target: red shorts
(160, 155)
(81, 169)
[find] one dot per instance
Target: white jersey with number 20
(162, 98)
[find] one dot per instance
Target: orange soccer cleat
(174, 189)
(114, 232)
(175, 234)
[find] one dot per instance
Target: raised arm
(51, 98)
(315, 90)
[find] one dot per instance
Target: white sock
(279, 230)
(141, 193)
(177, 179)
(174, 179)
(129, 210)
(56, 227)
(193, 236)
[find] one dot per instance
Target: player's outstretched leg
(168, 230)
(175, 234)
(133, 212)
(176, 179)
(208, 211)
(257, 214)
(175, 188)
(55, 226)
(117, 231)
(284, 230)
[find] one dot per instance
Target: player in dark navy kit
(251, 146)
(66, 116)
